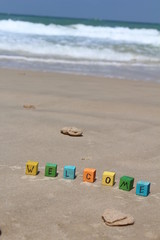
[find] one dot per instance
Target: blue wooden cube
(69, 172)
(143, 188)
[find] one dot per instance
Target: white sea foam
(139, 36)
(43, 52)
(81, 44)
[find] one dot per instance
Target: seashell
(112, 217)
(72, 131)
(29, 106)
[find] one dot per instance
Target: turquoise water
(94, 47)
(68, 21)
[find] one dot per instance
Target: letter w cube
(31, 168)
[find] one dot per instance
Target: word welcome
(89, 175)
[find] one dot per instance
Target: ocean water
(91, 47)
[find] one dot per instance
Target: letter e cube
(143, 188)
(51, 170)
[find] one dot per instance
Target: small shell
(113, 217)
(29, 106)
(129, 220)
(72, 131)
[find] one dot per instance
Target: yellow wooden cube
(31, 168)
(108, 178)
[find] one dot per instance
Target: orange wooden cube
(89, 175)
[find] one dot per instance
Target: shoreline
(89, 75)
(121, 72)
(121, 124)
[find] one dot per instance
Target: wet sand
(121, 124)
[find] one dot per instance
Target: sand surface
(121, 124)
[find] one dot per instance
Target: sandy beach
(121, 133)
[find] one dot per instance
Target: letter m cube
(126, 183)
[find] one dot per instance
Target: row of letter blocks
(89, 175)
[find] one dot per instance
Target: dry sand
(121, 124)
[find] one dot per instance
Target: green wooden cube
(51, 170)
(126, 183)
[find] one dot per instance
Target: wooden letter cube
(31, 168)
(89, 175)
(126, 183)
(51, 170)
(108, 178)
(69, 172)
(143, 188)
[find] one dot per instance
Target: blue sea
(90, 47)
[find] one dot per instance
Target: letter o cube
(89, 175)
(108, 178)
(126, 183)
(69, 172)
(143, 188)
(51, 170)
(31, 168)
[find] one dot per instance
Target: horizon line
(80, 18)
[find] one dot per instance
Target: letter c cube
(89, 175)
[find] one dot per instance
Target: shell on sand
(129, 220)
(113, 217)
(72, 131)
(29, 106)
